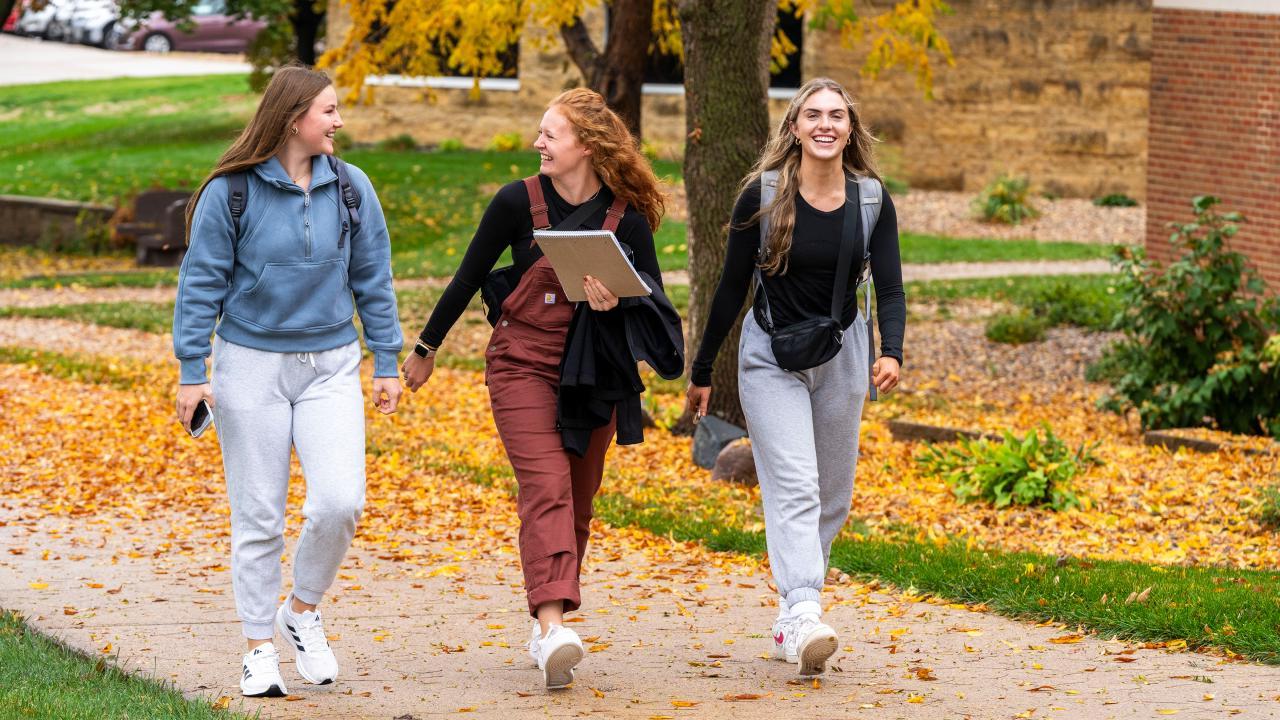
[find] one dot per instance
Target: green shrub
(398, 143)
(1031, 471)
(450, 145)
(1005, 201)
(342, 142)
(507, 142)
(1068, 302)
(895, 186)
(1268, 508)
(1202, 340)
(1115, 200)
(1016, 328)
(649, 150)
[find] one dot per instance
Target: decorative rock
(710, 438)
(736, 464)
(906, 430)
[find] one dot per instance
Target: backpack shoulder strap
(614, 214)
(350, 205)
(537, 203)
(871, 192)
(768, 191)
(237, 197)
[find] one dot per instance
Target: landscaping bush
(507, 142)
(1115, 200)
(1268, 508)
(1202, 344)
(398, 143)
(1016, 328)
(1031, 471)
(450, 145)
(1069, 302)
(1005, 201)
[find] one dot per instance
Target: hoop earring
(797, 139)
(295, 129)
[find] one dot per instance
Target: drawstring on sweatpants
(304, 357)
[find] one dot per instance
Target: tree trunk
(726, 85)
(306, 24)
(618, 72)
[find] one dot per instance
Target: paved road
(28, 60)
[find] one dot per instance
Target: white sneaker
(315, 661)
(784, 644)
(260, 673)
(534, 636)
(815, 642)
(557, 654)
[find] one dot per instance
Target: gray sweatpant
(266, 403)
(804, 436)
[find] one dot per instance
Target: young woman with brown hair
(804, 409)
(283, 237)
(590, 171)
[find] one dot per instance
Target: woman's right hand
(696, 400)
(416, 370)
(188, 397)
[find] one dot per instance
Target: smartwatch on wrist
(423, 350)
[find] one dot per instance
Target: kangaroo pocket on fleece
(282, 300)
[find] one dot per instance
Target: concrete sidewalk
(29, 60)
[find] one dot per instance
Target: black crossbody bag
(812, 342)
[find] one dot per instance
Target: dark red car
(212, 31)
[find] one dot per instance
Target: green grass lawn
(107, 140)
(41, 678)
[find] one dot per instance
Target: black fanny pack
(500, 283)
(814, 341)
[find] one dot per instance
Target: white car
(92, 20)
(36, 21)
(59, 27)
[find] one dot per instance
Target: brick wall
(1215, 121)
(1052, 89)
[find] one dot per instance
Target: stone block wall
(1052, 89)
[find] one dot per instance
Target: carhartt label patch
(549, 298)
(870, 200)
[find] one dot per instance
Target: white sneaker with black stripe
(315, 661)
(260, 674)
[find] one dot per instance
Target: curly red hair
(614, 153)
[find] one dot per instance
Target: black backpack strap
(350, 200)
(237, 197)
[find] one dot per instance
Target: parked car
(11, 22)
(59, 27)
(213, 31)
(35, 20)
(92, 20)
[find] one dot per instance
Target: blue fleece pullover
(285, 286)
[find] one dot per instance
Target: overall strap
(537, 204)
(350, 205)
(614, 214)
(237, 197)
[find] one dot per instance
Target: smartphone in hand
(201, 419)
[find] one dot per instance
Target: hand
(885, 374)
(417, 370)
(696, 399)
(386, 394)
(188, 397)
(598, 296)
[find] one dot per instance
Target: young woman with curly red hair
(591, 176)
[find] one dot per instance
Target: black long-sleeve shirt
(804, 291)
(507, 223)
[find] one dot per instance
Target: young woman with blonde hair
(591, 176)
(805, 358)
(286, 241)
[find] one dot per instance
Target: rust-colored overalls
(522, 370)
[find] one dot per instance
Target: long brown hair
(783, 154)
(287, 98)
(614, 155)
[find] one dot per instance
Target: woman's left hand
(885, 374)
(386, 394)
(598, 296)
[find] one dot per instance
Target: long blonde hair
(614, 155)
(288, 96)
(783, 154)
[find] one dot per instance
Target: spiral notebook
(574, 254)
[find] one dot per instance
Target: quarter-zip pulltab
(306, 219)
